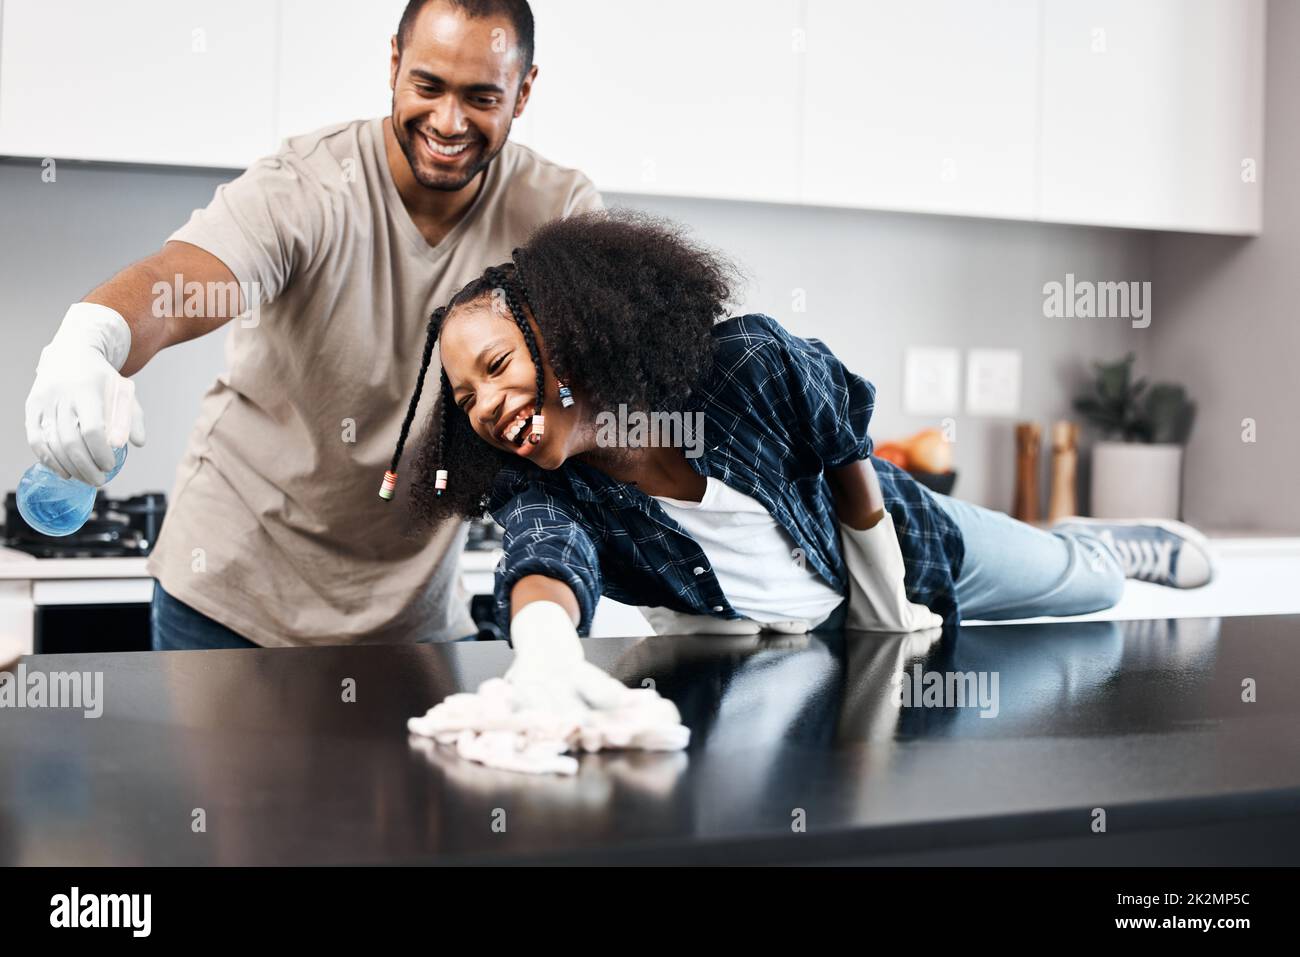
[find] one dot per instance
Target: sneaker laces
(1143, 558)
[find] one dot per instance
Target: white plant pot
(1136, 480)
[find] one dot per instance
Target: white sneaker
(1154, 550)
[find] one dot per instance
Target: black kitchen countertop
(800, 752)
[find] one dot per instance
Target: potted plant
(1137, 466)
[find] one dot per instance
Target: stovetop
(117, 528)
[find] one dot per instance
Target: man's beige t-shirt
(275, 527)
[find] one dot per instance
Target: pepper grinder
(1065, 460)
(1029, 436)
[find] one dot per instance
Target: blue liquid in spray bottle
(58, 506)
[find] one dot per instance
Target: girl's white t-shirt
(757, 563)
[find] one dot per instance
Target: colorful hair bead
(390, 483)
(566, 395)
(539, 426)
(440, 481)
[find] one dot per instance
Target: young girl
(776, 517)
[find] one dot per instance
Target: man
(338, 248)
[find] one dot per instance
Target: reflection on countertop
(837, 731)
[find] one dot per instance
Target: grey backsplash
(873, 283)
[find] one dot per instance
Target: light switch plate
(931, 381)
(993, 382)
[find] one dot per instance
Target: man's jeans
(1015, 570)
(175, 626)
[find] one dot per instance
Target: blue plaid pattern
(778, 411)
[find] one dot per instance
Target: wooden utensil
(1029, 437)
(1063, 500)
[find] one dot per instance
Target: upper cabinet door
(334, 62)
(923, 105)
(1153, 113)
(149, 81)
(690, 97)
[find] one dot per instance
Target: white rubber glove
(76, 389)
(550, 670)
(666, 621)
(551, 701)
(877, 598)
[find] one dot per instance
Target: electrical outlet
(931, 381)
(993, 382)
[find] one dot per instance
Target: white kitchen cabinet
(680, 97)
(334, 62)
(1152, 110)
(1111, 112)
(187, 82)
(927, 106)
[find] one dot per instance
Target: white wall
(1227, 326)
(57, 242)
(874, 284)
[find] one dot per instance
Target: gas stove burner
(117, 528)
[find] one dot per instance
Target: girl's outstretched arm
(533, 588)
(856, 490)
(873, 557)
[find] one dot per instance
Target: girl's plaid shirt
(778, 411)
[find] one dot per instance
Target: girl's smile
(494, 383)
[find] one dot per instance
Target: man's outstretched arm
(113, 333)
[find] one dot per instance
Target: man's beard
(438, 180)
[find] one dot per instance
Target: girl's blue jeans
(1016, 570)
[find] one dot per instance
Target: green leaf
(1136, 411)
